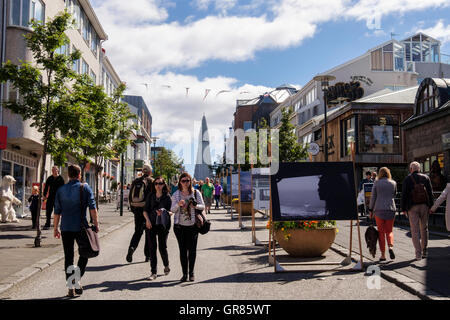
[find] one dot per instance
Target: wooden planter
(246, 208)
(306, 243)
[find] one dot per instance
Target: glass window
(318, 135)
(76, 63)
(6, 168)
(94, 77)
(37, 10)
(247, 125)
(85, 68)
(348, 136)
(426, 52)
(86, 29)
(408, 51)
(416, 51)
(64, 49)
(435, 52)
(399, 60)
(77, 14)
(379, 134)
(25, 13)
(94, 41)
(18, 175)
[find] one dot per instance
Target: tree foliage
(289, 149)
(167, 164)
(43, 84)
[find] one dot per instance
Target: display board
(314, 191)
(235, 182)
(367, 189)
(261, 188)
(227, 186)
(246, 186)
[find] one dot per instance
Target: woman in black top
(159, 199)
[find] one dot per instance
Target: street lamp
(153, 139)
(324, 83)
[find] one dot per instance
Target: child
(33, 199)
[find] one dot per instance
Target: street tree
(289, 149)
(167, 164)
(43, 86)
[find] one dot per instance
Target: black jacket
(152, 204)
(408, 186)
(34, 198)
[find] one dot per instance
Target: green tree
(167, 164)
(102, 130)
(43, 86)
(289, 149)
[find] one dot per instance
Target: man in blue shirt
(68, 210)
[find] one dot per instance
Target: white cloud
(144, 46)
(439, 31)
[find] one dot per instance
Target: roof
(138, 102)
(278, 95)
(93, 18)
(386, 96)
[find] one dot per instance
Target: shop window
(379, 134)
(348, 135)
(6, 168)
(318, 135)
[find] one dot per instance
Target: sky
(224, 50)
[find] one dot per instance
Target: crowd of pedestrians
(417, 203)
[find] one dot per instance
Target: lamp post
(324, 83)
(153, 139)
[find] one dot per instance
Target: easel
(255, 241)
(347, 261)
(241, 226)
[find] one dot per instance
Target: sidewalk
(428, 278)
(19, 259)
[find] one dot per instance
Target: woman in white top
(184, 203)
(445, 195)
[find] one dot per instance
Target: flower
(287, 226)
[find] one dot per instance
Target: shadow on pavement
(14, 237)
(134, 285)
(437, 270)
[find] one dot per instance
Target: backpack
(138, 193)
(419, 193)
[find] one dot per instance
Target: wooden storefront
(372, 126)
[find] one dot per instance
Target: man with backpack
(417, 199)
(140, 188)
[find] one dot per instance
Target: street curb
(398, 279)
(43, 264)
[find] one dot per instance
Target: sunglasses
(185, 180)
(159, 183)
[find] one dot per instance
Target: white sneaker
(153, 276)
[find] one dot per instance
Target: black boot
(130, 254)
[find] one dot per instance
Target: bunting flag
(222, 91)
(146, 85)
(206, 93)
(242, 92)
(187, 92)
(167, 86)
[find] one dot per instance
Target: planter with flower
(305, 238)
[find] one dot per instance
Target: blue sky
(243, 45)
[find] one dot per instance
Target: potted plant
(305, 238)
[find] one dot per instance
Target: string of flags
(207, 91)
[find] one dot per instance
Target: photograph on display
(246, 186)
(261, 189)
(228, 185)
(235, 185)
(314, 191)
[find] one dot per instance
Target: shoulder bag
(89, 245)
(203, 228)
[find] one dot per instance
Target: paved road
(228, 267)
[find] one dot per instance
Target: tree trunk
(37, 240)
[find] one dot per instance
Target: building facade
(428, 129)
(23, 155)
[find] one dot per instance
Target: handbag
(89, 244)
(203, 228)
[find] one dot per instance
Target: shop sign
(364, 79)
(3, 137)
(344, 92)
(446, 141)
(313, 148)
